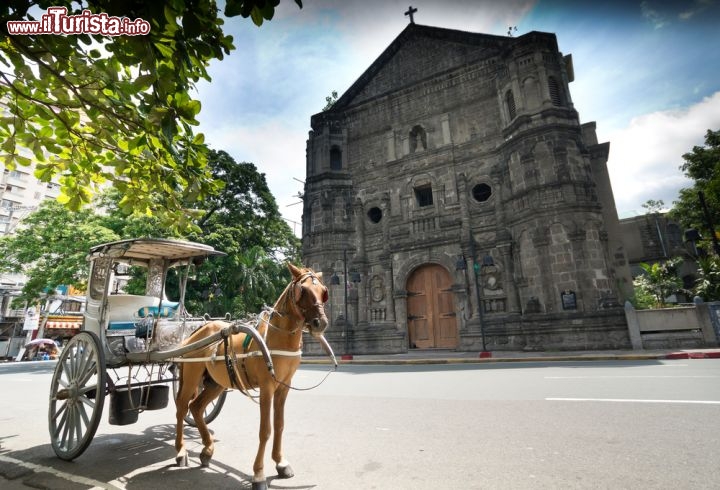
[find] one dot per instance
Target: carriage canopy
(138, 251)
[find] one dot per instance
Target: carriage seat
(168, 310)
(147, 314)
(122, 312)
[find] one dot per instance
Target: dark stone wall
(438, 167)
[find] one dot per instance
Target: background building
(653, 238)
(456, 196)
(20, 194)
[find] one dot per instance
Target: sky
(647, 72)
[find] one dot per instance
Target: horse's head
(310, 296)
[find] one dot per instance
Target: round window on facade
(374, 214)
(481, 192)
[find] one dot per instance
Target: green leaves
(257, 10)
(702, 165)
(708, 282)
(659, 280)
(96, 109)
(50, 247)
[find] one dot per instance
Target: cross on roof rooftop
(410, 13)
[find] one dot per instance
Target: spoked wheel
(77, 394)
(213, 408)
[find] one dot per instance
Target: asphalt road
(614, 424)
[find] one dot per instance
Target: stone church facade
(455, 195)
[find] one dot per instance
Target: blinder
(300, 289)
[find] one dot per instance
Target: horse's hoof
(285, 471)
(259, 485)
(205, 460)
(182, 460)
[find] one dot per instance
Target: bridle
(291, 300)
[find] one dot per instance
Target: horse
(299, 308)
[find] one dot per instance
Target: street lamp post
(487, 261)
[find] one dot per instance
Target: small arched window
(554, 87)
(510, 104)
(335, 158)
(424, 196)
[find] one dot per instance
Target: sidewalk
(455, 357)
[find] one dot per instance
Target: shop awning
(63, 325)
(68, 323)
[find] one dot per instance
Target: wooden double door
(432, 321)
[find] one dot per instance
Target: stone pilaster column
(577, 241)
(360, 257)
(513, 297)
(390, 146)
(362, 299)
(400, 300)
(497, 178)
(474, 282)
(385, 208)
(464, 211)
(390, 300)
(541, 241)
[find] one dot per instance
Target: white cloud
(646, 155)
(654, 16)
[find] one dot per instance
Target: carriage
(133, 349)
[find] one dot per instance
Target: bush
(657, 282)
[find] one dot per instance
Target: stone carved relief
(492, 280)
(377, 289)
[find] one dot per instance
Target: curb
(693, 355)
(491, 360)
(486, 360)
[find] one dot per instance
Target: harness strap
(230, 364)
(214, 358)
(247, 342)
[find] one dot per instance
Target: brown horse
(300, 307)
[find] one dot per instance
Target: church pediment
(418, 53)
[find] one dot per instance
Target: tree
(653, 207)
(659, 280)
(129, 225)
(246, 206)
(50, 247)
(255, 281)
(702, 165)
(330, 100)
(708, 282)
(116, 108)
(242, 220)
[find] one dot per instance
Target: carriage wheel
(211, 411)
(77, 394)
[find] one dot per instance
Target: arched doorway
(432, 321)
